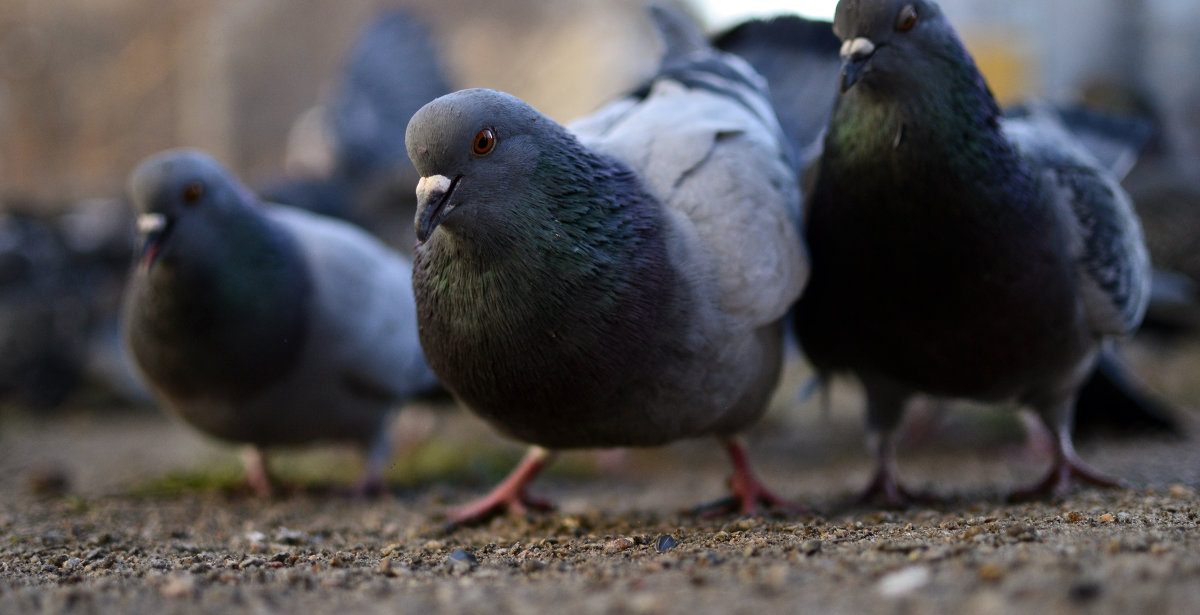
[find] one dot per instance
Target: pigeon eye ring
(485, 142)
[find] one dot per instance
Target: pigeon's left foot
(510, 495)
(257, 477)
(747, 493)
(372, 484)
(885, 487)
(1067, 465)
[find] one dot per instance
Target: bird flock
(630, 279)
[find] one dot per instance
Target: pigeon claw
(510, 496)
(747, 492)
(1058, 481)
(884, 489)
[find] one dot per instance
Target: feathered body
(596, 314)
(955, 252)
(265, 324)
(618, 283)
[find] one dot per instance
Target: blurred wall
(89, 87)
(1114, 52)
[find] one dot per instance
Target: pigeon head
(886, 41)
(476, 151)
(174, 187)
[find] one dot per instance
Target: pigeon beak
(152, 227)
(855, 52)
(433, 203)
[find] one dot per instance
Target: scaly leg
(1066, 465)
(747, 492)
(257, 477)
(510, 495)
(371, 483)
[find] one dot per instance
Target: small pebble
(461, 559)
(386, 568)
(665, 543)
(1105, 518)
(1182, 491)
(1084, 591)
(618, 544)
(251, 563)
(49, 481)
(811, 547)
(178, 587)
(990, 572)
(1022, 531)
(905, 581)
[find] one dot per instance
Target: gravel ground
(95, 518)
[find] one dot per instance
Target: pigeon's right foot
(510, 496)
(257, 477)
(1067, 466)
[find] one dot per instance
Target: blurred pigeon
(619, 283)
(799, 59)
(43, 313)
(957, 253)
(267, 324)
(391, 72)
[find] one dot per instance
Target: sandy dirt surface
(127, 512)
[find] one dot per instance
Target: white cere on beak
(857, 48)
(434, 184)
(151, 223)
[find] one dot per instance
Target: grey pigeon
(955, 252)
(264, 324)
(622, 282)
(391, 71)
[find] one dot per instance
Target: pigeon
(799, 59)
(265, 324)
(621, 282)
(955, 252)
(391, 71)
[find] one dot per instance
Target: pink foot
(886, 490)
(885, 487)
(257, 477)
(510, 495)
(747, 492)
(372, 483)
(1067, 465)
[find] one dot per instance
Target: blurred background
(90, 87)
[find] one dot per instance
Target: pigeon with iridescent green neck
(955, 252)
(621, 282)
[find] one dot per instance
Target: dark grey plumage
(621, 283)
(265, 324)
(955, 252)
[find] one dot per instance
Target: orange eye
(907, 18)
(192, 193)
(485, 141)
